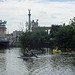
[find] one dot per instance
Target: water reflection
(2, 63)
(2, 51)
(11, 65)
(45, 65)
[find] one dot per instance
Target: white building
(16, 35)
(2, 29)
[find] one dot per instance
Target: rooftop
(3, 22)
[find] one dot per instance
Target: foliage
(54, 28)
(33, 39)
(65, 37)
(61, 36)
(72, 22)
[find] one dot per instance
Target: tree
(72, 22)
(54, 28)
(64, 37)
(33, 39)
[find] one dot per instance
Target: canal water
(45, 65)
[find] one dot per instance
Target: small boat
(23, 57)
(56, 51)
(28, 57)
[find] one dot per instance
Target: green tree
(64, 37)
(72, 22)
(54, 28)
(33, 39)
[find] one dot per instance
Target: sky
(49, 12)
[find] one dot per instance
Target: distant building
(3, 40)
(16, 35)
(9, 36)
(2, 29)
(34, 24)
(36, 27)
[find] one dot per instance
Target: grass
(17, 43)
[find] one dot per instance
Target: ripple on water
(50, 65)
(45, 65)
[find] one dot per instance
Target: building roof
(2, 23)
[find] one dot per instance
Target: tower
(29, 15)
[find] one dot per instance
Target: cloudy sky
(15, 12)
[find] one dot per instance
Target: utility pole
(29, 15)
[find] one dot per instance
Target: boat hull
(24, 57)
(27, 57)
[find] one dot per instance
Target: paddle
(36, 56)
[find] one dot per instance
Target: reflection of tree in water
(2, 50)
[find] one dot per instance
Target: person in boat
(26, 53)
(57, 49)
(33, 54)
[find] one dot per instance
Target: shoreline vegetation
(61, 36)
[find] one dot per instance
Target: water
(45, 65)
